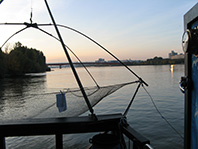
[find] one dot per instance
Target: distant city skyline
(135, 30)
(171, 55)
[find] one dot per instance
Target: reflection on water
(17, 99)
(171, 70)
(15, 94)
(175, 69)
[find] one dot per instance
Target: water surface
(24, 98)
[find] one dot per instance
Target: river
(18, 101)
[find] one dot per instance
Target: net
(44, 105)
(76, 104)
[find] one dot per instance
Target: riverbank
(152, 61)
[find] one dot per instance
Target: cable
(105, 50)
(31, 12)
(87, 38)
(100, 47)
(161, 113)
(73, 54)
(34, 25)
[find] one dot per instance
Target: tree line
(21, 60)
(160, 61)
(156, 61)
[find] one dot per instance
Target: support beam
(2, 142)
(71, 63)
(59, 141)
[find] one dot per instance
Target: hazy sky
(131, 29)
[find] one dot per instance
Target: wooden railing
(70, 125)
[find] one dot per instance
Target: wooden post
(59, 141)
(2, 142)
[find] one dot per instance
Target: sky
(130, 29)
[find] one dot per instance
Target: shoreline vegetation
(21, 60)
(153, 61)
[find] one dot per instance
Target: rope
(156, 108)
(31, 10)
(74, 90)
(36, 27)
(32, 25)
(100, 47)
(73, 54)
(105, 50)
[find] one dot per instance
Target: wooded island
(21, 60)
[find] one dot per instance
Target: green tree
(23, 60)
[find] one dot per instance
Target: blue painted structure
(194, 116)
(191, 73)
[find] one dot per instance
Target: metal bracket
(183, 84)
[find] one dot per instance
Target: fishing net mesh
(44, 105)
(76, 104)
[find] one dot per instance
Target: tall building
(175, 55)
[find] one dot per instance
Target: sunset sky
(131, 29)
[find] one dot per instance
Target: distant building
(100, 60)
(175, 55)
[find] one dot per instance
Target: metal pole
(188, 102)
(127, 109)
(70, 62)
